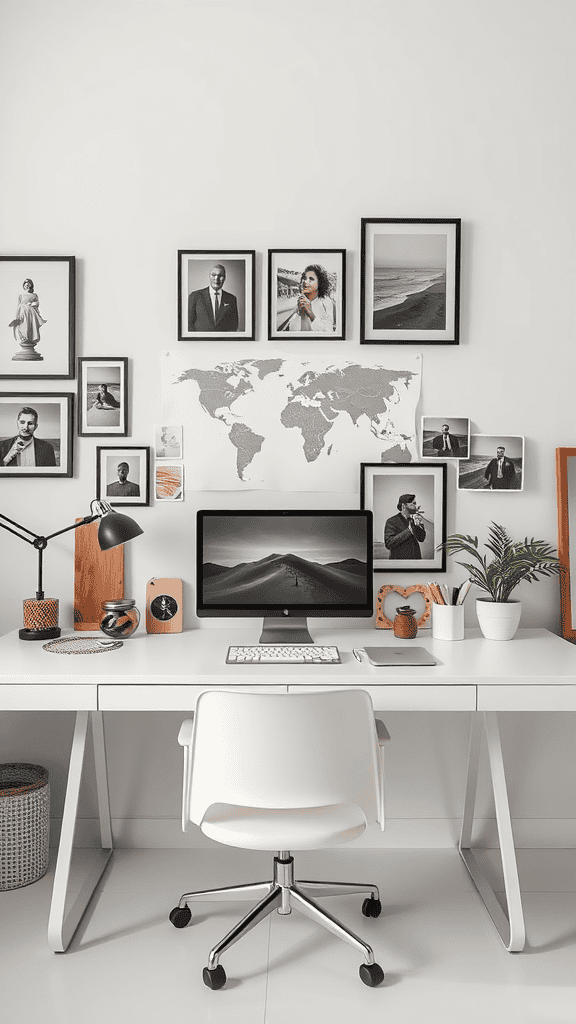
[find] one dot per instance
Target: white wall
(132, 129)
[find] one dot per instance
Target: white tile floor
(442, 957)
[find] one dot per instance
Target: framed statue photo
(409, 281)
(36, 434)
(307, 294)
(408, 502)
(103, 396)
(37, 311)
(216, 294)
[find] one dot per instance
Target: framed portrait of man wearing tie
(496, 463)
(445, 437)
(216, 293)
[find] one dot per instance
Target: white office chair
(283, 772)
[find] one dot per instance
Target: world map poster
(274, 422)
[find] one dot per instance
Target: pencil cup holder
(448, 622)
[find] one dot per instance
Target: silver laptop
(399, 656)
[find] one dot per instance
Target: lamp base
(40, 634)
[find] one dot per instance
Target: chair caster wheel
(214, 979)
(180, 916)
(371, 974)
(371, 907)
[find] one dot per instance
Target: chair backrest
(284, 750)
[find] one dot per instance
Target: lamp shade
(116, 528)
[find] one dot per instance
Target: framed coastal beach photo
(410, 281)
(496, 463)
(123, 475)
(103, 397)
(36, 434)
(408, 502)
(216, 293)
(37, 304)
(307, 294)
(445, 437)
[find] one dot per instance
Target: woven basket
(24, 824)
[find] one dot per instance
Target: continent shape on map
(320, 397)
(220, 388)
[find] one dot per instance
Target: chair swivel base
(283, 894)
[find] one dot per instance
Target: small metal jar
(405, 624)
(120, 618)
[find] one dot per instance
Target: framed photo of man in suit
(36, 434)
(445, 437)
(216, 293)
(408, 502)
(496, 463)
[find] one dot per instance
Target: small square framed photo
(37, 313)
(445, 437)
(410, 281)
(216, 292)
(36, 433)
(168, 442)
(123, 475)
(496, 463)
(408, 502)
(307, 294)
(103, 397)
(169, 481)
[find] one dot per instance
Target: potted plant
(513, 561)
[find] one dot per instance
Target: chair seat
(265, 828)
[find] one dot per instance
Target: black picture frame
(285, 271)
(410, 281)
(108, 459)
(103, 414)
(237, 315)
(42, 329)
(54, 423)
(381, 486)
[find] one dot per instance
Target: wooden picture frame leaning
(566, 500)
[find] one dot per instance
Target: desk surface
(534, 671)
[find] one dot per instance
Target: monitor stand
(285, 631)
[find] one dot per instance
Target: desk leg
(62, 925)
(511, 925)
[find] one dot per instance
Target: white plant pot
(498, 620)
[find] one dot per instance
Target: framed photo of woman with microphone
(408, 502)
(307, 294)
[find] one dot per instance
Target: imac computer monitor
(284, 566)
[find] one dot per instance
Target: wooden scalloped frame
(383, 622)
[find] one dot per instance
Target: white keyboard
(283, 654)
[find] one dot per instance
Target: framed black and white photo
(410, 281)
(445, 437)
(307, 294)
(103, 397)
(496, 463)
(36, 434)
(37, 312)
(123, 475)
(408, 502)
(216, 294)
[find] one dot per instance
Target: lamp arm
(11, 521)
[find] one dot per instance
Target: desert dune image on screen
(290, 560)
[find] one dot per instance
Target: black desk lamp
(41, 614)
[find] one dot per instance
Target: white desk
(534, 672)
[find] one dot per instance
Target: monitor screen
(279, 564)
